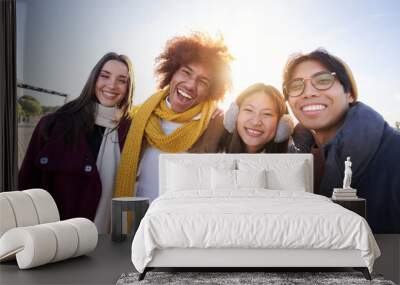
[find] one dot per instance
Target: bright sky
(59, 41)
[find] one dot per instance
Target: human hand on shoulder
(218, 112)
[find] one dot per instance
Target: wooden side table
(137, 205)
(357, 205)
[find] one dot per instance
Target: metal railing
(43, 90)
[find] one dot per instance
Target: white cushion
(87, 233)
(23, 208)
(223, 179)
(293, 179)
(187, 177)
(45, 205)
(188, 162)
(67, 238)
(251, 178)
(281, 174)
(226, 179)
(7, 220)
(26, 208)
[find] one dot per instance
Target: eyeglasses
(321, 81)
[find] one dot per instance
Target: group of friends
(100, 146)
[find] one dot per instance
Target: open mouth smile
(313, 109)
(109, 95)
(184, 95)
(253, 132)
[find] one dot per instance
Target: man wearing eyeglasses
(322, 93)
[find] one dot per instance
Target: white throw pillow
(227, 179)
(223, 179)
(188, 174)
(187, 177)
(281, 174)
(293, 179)
(251, 178)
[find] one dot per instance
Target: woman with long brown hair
(74, 152)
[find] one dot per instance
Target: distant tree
(19, 110)
(49, 109)
(30, 106)
(28, 97)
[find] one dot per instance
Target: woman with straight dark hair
(74, 152)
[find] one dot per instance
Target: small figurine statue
(347, 174)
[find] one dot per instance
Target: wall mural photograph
(173, 142)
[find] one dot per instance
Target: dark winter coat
(374, 148)
(68, 172)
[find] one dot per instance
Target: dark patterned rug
(270, 278)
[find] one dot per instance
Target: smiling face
(112, 84)
(189, 86)
(320, 110)
(257, 120)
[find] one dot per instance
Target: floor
(102, 266)
(110, 259)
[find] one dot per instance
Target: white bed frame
(250, 258)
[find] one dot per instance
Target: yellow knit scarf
(146, 122)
